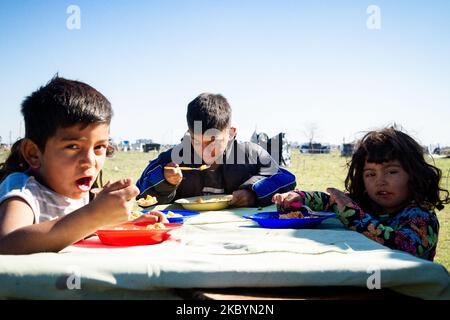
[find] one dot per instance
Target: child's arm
(269, 180)
(316, 200)
(19, 236)
(23, 237)
(413, 230)
(153, 181)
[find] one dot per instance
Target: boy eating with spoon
(222, 164)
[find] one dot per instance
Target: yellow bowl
(211, 202)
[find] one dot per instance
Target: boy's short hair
(62, 103)
(212, 110)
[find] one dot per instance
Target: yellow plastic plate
(206, 203)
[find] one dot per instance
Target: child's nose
(89, 158)
(381, 180)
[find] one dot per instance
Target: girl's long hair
(391, 144)
(14, 163)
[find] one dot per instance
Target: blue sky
(283, 65)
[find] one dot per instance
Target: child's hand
(339, 198)
(243, 198)
(114, 202)
(152, 216)
(173, 176)
(284, 200)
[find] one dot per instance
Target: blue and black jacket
(245, 165)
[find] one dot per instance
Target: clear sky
(283, 65)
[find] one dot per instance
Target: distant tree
(310, 132)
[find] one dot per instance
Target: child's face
(386, 184)
(211, 145)
(73, 158)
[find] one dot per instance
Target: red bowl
(135, 234)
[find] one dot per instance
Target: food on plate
(155, 226)
(206, 202)
(211, 200)
(147, 201)
(134, 214)
(293, 215)
(171, 214)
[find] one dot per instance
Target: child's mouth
(383, 194)
(84, 184)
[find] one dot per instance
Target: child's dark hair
(212, 110)
(391, 144)
(61, 103)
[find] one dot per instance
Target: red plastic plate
(135, 234)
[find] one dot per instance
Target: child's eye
(101, 148)
(392, 171)
(72, 147)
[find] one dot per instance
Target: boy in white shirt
(50, 172)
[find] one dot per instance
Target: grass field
(313, 172)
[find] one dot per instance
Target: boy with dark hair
(243, 169)
(45, 182)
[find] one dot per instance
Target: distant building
(347, 149)
(151, 146)
(142, 145)
(124, 145)
(314, 148)
(138, 145)
(442, 151)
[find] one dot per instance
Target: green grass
(313, 172)
(127, 165)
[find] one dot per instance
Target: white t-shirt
(45, 203)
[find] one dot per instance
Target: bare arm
(15, 213)
(53, 236)
(19, 236)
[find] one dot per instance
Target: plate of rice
(289, 219)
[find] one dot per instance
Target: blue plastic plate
(185, 215)
(271, 220)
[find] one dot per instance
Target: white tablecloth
(221, 250)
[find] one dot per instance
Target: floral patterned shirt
(412, 230)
